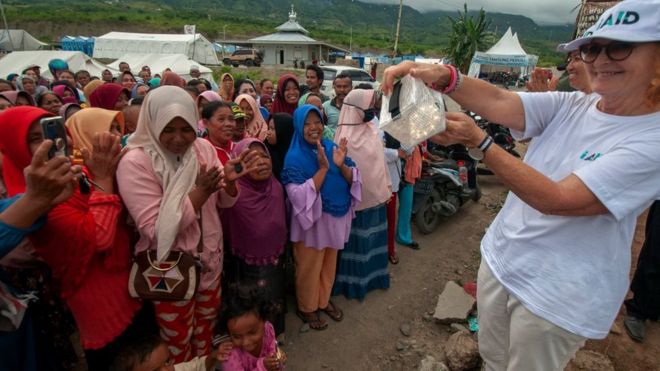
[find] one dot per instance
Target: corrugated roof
(292, 24)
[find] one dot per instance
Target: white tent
(115, 44)
(506, 52)
(17, 61)
(19, 40)
(157, 63)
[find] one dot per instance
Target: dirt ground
(366, 339)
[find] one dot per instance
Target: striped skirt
(362, 265)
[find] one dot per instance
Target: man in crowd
(195, 73)
(342, 85)
(314, 79)
(40, 80)
(266, 87)
(123, 66)
(83, 78)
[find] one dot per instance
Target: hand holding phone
(53, 129)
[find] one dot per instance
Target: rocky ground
(395, 329)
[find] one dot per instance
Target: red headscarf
(60, 89)
(171, 78)
(15, 124)
(280, 104)
(106, 96)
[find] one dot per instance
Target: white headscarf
(177, 174)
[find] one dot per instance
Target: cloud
(541, 11)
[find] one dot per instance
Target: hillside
(373, 25)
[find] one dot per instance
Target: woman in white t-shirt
(556, 259)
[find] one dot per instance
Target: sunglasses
(616, 51)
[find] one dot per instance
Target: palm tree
(468, 34)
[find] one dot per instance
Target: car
(248, 57)
(358, 75)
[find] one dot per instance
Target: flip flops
(333, 312)
(313, 319)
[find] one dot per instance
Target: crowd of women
(247, 180)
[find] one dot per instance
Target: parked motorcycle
(501, 134)
(444, 187)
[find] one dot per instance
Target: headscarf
(264, 98)
(255, 236)
(106, 96)
(177, 174)
(12, 95)
(15, 124)
(63, 110)
(279, 103)
(210, 96)
(154, 82)
(134, 91)
(300, 164)
(365, 147)
(11, 76)
(60, 89)
(38, 89)
(226, 95)
(83, 125)
(284, 133)
(257, 128)
(90, 87)
(171, 78)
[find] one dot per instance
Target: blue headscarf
(300, 164)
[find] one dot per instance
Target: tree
(468, 34)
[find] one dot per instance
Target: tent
(17, 61)
(115, 44)
(157, 63)
(506, 52)
(20, 41)
(78, 43)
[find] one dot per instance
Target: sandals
(313, 319)
(413, 245)
(333, 312)
(394, 259)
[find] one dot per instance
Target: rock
(428, 317)
(462, 352)
(459, 327)
(405, 329)
(454, 304)
(587, 360)
(431, 364)
(304, 328)
(402, 345)
(615, 329)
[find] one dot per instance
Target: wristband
(452, 80)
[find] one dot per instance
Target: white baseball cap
(629, 20)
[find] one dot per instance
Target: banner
(589, 14)
(505, 60)
(189, 29)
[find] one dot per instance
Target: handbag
(173, 279)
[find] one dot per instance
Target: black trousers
(645, 303)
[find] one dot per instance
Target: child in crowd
(253, 346)
(150, 353)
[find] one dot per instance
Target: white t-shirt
(573, 271)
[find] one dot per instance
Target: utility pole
(224, 40)
(4, 19)
(398, 28)
(350, 42)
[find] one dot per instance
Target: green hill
(372, 25)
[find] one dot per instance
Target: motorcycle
(501, 134)
(444, 187)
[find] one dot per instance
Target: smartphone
(53, 129)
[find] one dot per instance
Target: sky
(541, 11)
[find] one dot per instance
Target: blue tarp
(78, 44)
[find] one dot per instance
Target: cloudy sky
(542, 11)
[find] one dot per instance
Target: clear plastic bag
(421, 113)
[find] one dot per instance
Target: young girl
(253, 346)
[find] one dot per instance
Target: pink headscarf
(257, 128)
(210, 96)
(60, 89)
(365, 148)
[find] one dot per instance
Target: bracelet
(452, 80)
(452, 76)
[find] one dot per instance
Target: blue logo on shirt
(590, 157)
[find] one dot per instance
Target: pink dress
(240, 360)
